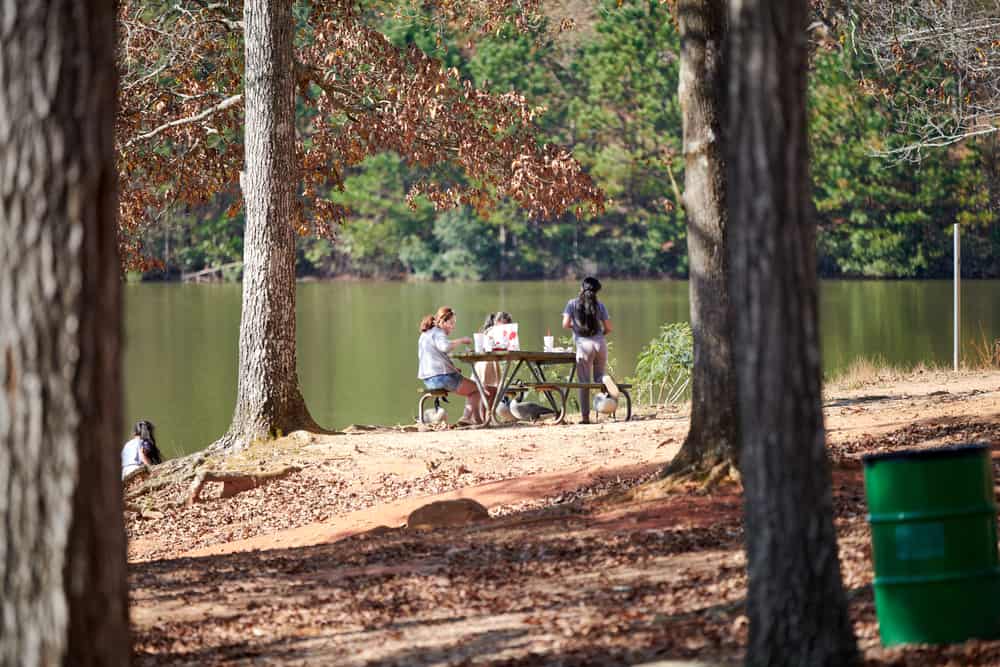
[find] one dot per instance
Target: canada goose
(529, 411)
(437, 414)
(503, 410)
(604, 404)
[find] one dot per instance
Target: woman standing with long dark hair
(590, 322)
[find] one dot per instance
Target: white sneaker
(609, 384)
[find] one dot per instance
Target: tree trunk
(268, 401)
(712, 436)
(62, 546)
(795, 600)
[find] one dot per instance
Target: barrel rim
(951, 451)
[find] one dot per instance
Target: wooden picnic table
(510, 362)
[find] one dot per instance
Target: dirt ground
(313, 569)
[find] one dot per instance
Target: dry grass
(864, 372)
(985, 352)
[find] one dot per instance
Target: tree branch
(224, 104)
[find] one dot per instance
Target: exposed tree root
(173, 471)
(142, 472)
(699, 480)
(721, 473)
(235, 482)
(239, 438)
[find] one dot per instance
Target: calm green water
(357, 341)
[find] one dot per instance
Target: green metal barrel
(934, 543)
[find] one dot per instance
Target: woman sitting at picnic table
(589, 320)
(435, 366)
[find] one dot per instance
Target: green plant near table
(663, 368)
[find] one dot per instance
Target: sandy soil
(564, 573)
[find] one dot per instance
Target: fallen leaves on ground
(566, 579)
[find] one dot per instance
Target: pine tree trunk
(268, 402)
(62, 546)
(795, 600)
(712, 437)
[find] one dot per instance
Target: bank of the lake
(357, 340)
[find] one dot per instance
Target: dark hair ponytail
(144, 430)
(427, 323)
(491, 319)
(586, 317)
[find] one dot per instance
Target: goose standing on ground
(503, 410)
(437, 414)
(526, 411)
(604, 404)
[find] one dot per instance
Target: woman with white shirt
(141, 450)
(435, 366)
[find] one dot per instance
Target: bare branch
(224, 104)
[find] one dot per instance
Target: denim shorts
(449, 381)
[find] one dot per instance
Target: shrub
(663, 369)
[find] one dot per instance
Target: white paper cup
(479, 340)
(549, 343)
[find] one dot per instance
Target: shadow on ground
(570, 584)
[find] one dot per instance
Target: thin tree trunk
(712, 436)
(268, 402)
(62, 546)
(795, 600)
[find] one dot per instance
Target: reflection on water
(357, 340)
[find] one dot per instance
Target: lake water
(357, 340)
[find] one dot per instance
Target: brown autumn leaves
(180, 119)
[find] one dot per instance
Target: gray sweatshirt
(432, 353)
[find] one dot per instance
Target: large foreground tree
(795, 600)
(181, 141)
(62, 547)
(711, 442)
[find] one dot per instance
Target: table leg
(506, 377)
(536, 370)
(482, 396)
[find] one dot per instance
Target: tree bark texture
(62, 544)
(712, 436)
(795, 600)
(268, 402)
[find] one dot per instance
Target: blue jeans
(449, 381)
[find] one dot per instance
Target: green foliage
(467, 250)
(663, 368)
(623, 119)
(877, 217)
(381, 219)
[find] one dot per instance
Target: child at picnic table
(435, 366)
(489, 371)
(590, 322)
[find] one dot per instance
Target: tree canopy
(608, 88)
(359, 94)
